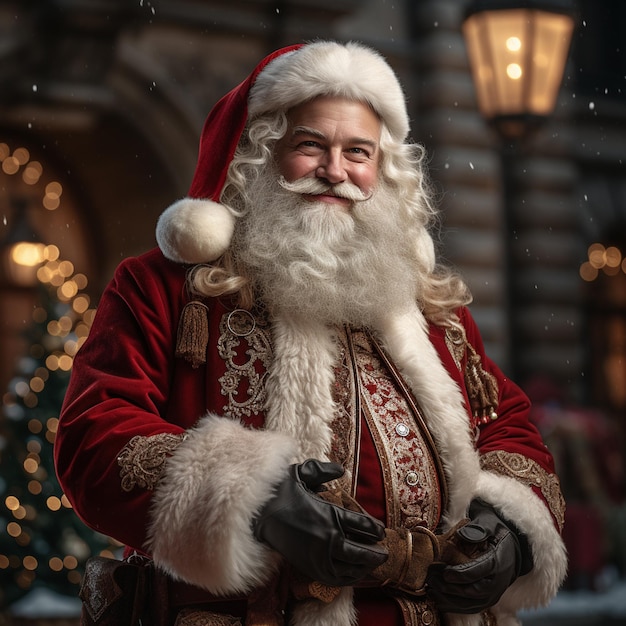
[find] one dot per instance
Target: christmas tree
(43, 542)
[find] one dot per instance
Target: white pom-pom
(195, 231)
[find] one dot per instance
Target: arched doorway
(46, 241)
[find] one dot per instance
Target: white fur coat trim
(518, 503)
(299, 400)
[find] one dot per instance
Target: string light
(600, 259)
(65, 328)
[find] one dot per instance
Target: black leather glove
(477, 585)
(323, 541)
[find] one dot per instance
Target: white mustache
(315, 187)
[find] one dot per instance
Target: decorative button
(412, 479)
(402, 429)
(427, 617)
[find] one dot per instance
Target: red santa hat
(198, 228)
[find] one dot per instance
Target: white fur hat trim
(195, 231)
(324, 68)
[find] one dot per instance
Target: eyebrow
(307, 130)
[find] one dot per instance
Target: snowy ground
(569, 608)
(582, 608)
(43, 603)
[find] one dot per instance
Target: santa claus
(287, 406)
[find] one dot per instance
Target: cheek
(366, 178)
(295, 167)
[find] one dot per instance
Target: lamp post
(517, 52)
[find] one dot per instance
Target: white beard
(318, 260)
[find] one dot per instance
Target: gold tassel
(482, 388)
(193, 333)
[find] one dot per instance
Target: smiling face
(321, 232)
(334, 140)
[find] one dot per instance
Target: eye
(359, 153)
(309, 145)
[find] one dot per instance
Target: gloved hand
(323, 541)
(475, 586)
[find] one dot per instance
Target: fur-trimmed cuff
(202, 510)
(519, 504)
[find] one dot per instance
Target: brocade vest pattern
(369, 394)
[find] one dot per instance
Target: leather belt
(181, 594)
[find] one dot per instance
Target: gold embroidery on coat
(246, 348)
(142, 459)
(455, 341)
(481, 386)
(530, 473)
(345, 425)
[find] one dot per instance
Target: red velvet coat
(127, 382)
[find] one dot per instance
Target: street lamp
(517, 52)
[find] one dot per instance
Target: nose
(332, 168)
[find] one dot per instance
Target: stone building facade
(110, 97)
